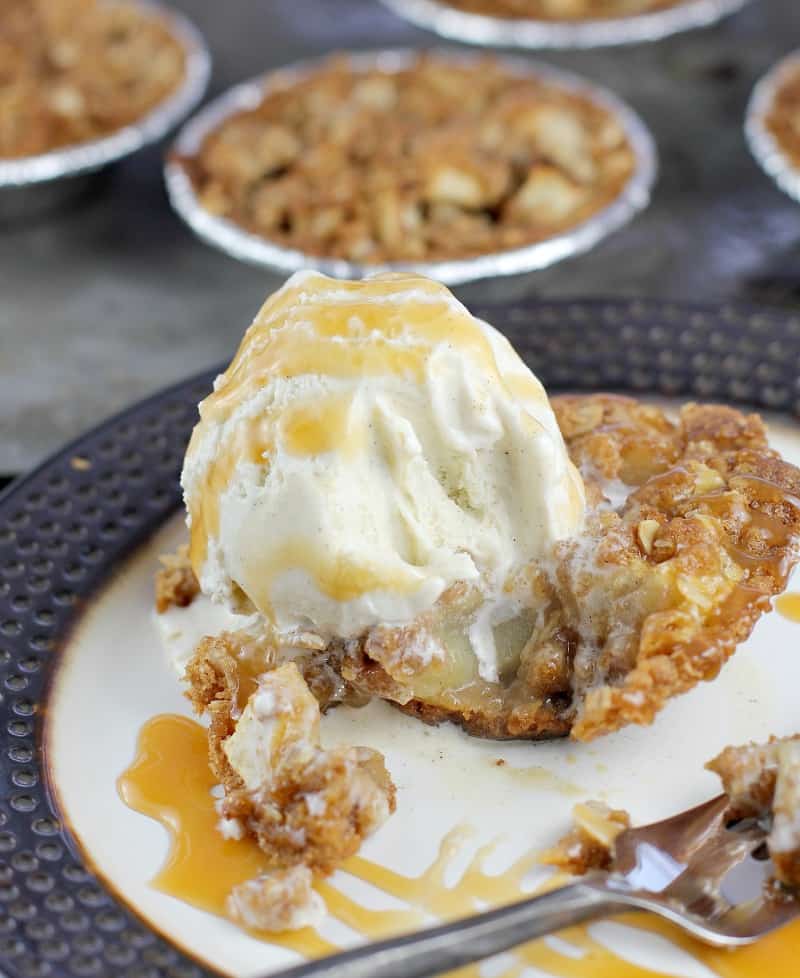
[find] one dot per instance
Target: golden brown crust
(352, 789)
(438, 161)
(212, 677)
(176, 584)
(77, 70)
(539, 721)
(709, 532)
(614, 437)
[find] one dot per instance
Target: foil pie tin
(31, 184)
(483, 29)
(768, 152)
(257, 250)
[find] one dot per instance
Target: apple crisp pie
(783, 117)
(560, 9)
(693, 525)
(439, 160)
(385, 504)
(72, 71)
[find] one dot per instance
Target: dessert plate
(83, 672)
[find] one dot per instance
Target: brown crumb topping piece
(176, 583)
(589, 844)
(302, 803)
(437, 161)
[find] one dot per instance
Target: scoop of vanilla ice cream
(371, 444)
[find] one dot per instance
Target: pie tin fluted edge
(72, 161)
(482, 29)
(769, 154)
(254, 249)
(67, 527)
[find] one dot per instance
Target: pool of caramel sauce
(170, 781)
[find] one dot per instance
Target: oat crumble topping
(438, 161)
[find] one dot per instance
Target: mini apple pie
(560, 9)
(439, 160)
(783, 116)
(387, 504)
(72, 71)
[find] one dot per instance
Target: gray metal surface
(113, 297)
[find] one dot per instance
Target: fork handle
(450, 946)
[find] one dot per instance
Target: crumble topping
(308, 808)
(302, 803)
(176, 583)
(560, 9)
(72, 71)
(589, 844)
(404, 652)
(438, 161)
(283, 900)
(783, 118)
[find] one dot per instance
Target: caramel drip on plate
(788, 605)
(170, 782)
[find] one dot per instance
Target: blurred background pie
(72, 71)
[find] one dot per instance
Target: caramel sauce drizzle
(170, 782)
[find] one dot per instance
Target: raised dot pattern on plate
(66, 526)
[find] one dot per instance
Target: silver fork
(695, 869)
